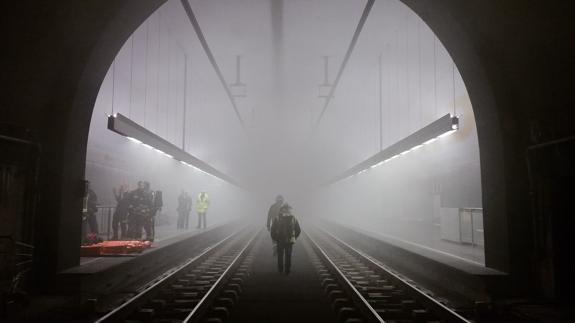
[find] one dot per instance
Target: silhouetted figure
(184, 208)
(139, 209)
(202, 204)
(274, 210)
(273, 213)
(284, 231)
(120, 217)
(150, 219)
(89, 210)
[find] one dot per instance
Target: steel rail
(206, 301)
(126, 308)
(439, 309)
(365, 308)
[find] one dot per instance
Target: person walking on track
(284, 231)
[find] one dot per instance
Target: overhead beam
(350, 49)
(426, 135)
(211, 58)
(126, 127)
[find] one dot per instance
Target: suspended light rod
(136, 133)
(426, 135)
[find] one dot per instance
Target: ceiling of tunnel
(282, 44)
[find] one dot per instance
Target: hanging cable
(397, 122)
(168, 88)
(131, 74)
(158, 70)
(453, 79)
(435, 75)
(185, 102)
(419, 70)
(408, 93)
(380, 103)
(113, 84)
(388, 92)
(146, 70)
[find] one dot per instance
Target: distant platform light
(134, 132)
(439, 128)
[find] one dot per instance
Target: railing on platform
(105, 217)
(462, 225)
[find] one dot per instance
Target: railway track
(203, 287)
(208, 287)
(375, 294)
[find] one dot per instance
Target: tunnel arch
(440, 18)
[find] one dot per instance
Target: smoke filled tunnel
(414, 138)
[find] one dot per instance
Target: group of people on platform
(284, 230)
(135, 212)
(185, 207)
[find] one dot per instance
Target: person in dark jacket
(150, 219)
(91, 208)
(140, 207)
(119, 220)
(184, 208)
(273, 213)
(284, 231)
(274, 210)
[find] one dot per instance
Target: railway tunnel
(425, 150)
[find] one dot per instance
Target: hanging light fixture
(136, 133)
(238, 89)
(439, 128)
(324, 89)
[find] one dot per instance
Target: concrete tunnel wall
(57, 55)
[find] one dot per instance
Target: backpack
(285, 228)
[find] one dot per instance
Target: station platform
(96, 276)
(452, 276)
(164, 235)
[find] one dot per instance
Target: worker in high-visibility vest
(202, 204)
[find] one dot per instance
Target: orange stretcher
(115, 248)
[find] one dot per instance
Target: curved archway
(462, 47)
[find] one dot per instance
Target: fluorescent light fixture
(430, 141)
(138, 134)
(132, 139)
(439, 128)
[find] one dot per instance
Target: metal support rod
(238, 70)
(185, 102)
(354, 39)
(380, 72)
(325, 70)
(211, 58)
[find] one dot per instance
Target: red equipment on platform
(114, 248)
